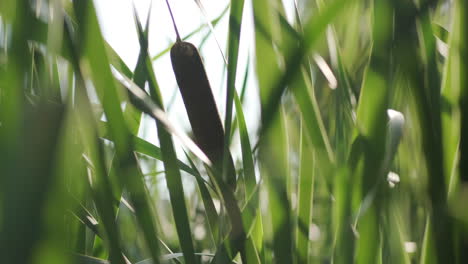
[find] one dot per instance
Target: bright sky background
(117, 23)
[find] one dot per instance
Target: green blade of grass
(371, 126)
(450, 95)
(210, 26)
(250, 216)
(247, 155)
(305, 98)
(235, 243)
(458, 46)
(173, 177)
(235, 22)
(210, 209)
(92, 49)
(22, 199)
(274, 157)
(144, 147)
(83, 259)
(242, 96)
(305, 199)
(272, 150)
(102, 193)
(424, 79)
(454, 116)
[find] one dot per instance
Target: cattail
(200, 104)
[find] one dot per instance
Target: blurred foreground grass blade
(305, 198)
(454, 121)
(312, 120)
(28, 182)
(371, 126)
(424, 81)
(173, 177)
(272, 151)
(266, 60)
(394, 246)
(312, 30)
(92, 49)
(462, 247)
(251, 251)
(27, 160)
(235, 23)
(460, 31)
(304, 94)
(274, 158)
(450, 95)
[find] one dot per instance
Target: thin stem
(173, 22)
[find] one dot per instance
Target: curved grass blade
(235, 21)
(272, 144)
(205, 15)
(144, 147)
(247, 155)
(146, 104)
(210, 208)
(173, 177)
